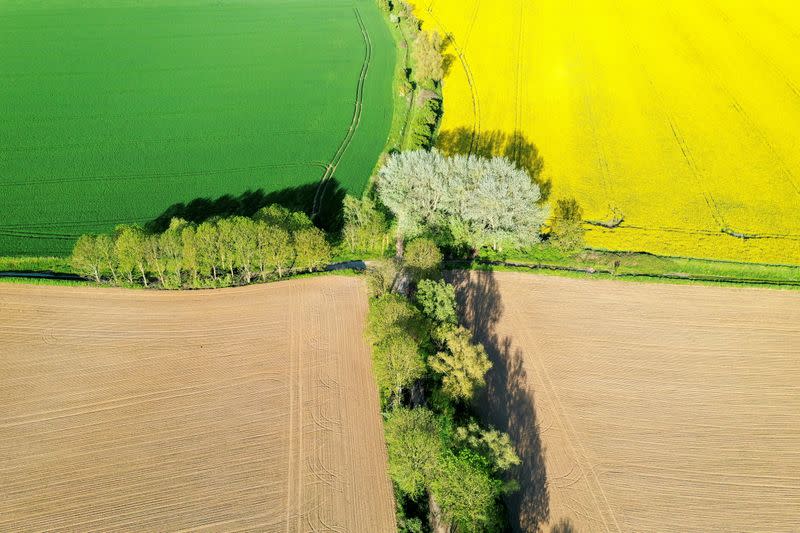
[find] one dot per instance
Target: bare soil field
(239, 409)
(641, 407)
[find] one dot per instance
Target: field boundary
(479, 264)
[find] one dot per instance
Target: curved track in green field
(117, 112)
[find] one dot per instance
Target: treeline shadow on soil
(515, 146)
(507, 402)
(300, 198)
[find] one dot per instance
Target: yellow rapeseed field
(681, 117)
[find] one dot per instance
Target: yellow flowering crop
(679, 117)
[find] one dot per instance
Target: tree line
(447, 469)
(220, 252)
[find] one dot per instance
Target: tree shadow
(300, 198)
(448, 55)
(515, 146)
(563, 526)
(507, 402)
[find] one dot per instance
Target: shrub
(566, 227)
(423, 260)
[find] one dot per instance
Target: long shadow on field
(515, 146)
(298, 198)
(508, 401)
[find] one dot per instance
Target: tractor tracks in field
(355, 122)
(717, 81)
(670, 119)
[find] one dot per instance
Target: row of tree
(216, 253)
(446, 468)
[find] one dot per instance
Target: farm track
(639, 407)
(330, 170)
(252, 408)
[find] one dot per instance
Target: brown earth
(242, 409)
(641, 407)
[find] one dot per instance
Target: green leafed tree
(312, 251)
(466, 493)
(87, 258)
(156, 262)
(274, 250)
(437, 299)
(414, 448)
(244, 247)
(428, 61)
(171, 246)
(226, 235)
(423, 260)
(130, 247)
(390, 314)
(398, 364)
(365, 226)
(105, 248)
(208, 260)
(566, 226)
(277, 215)
(462, 364)
(414, 186)
(492, 444)
(189, 256)
(479, 201)
(381, 276)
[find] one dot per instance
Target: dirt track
(251, 408)
(640, 407)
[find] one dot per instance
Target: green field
(114, 110)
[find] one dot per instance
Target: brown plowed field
(241, 409)
(640, 407)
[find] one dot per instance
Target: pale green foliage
(245, 251)
(428, 63)
(381, 276)
(275, 252)
(398, 363)
(413, 185)
(104, 246)
(462, 364)
(423, 259)
(466, 494)
(365, 227)
(414, 449)
(86, 257)
(390, 314)
(497, 205)
(218, 252)
(482, 202)
(207, 252)
(566, 226)
(494, 445)
(277, 215)
(130, 249)
(312, 251)
(189, 257)
(437, 299)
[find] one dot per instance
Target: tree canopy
(479, 201)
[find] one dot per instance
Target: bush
(381, 277)
(423, 260)
(566, 227)
(437, 299)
